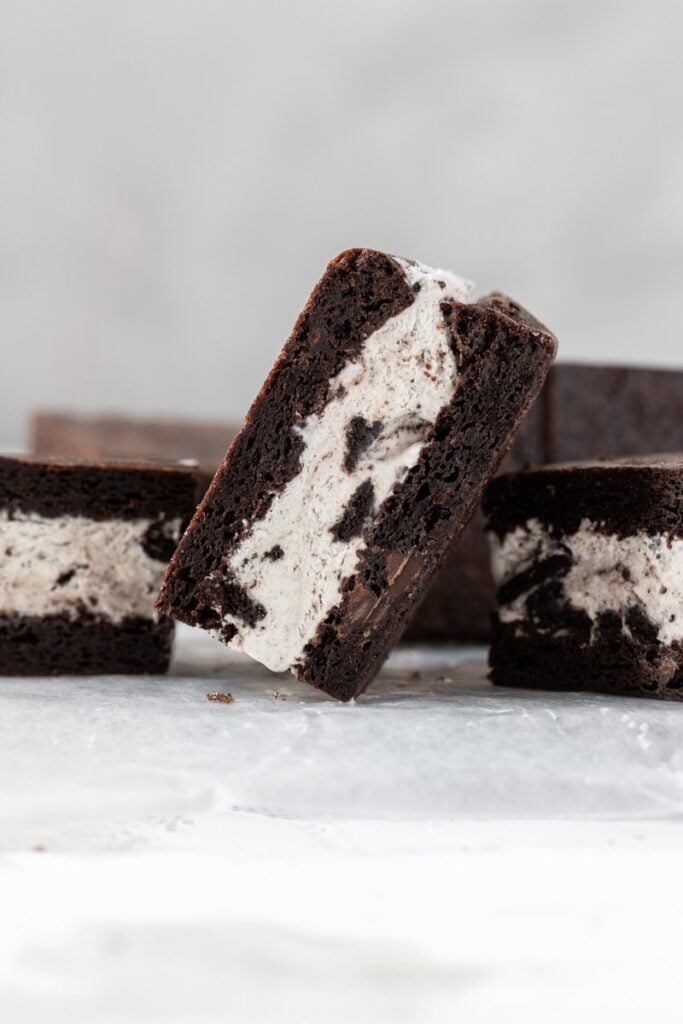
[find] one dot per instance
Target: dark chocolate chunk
(355, 514)
(359, 436)
(555, 566)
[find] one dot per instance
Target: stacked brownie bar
(588, 562)
(582, 413)
(367, 450)
(83, 549)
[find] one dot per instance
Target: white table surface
(440, 847)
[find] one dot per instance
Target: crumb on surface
(221, 698)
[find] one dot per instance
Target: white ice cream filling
(609, 573)
(403, 377)
(69, 565)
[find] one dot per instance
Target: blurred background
(175, 175)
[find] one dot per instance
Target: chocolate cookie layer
(366, 451)
(36, 645)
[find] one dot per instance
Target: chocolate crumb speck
(221, 698)
(64, 578)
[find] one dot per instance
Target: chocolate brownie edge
(61, 645)
(622, 496)
(104, 489)
(609, 664)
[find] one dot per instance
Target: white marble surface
(439, 847)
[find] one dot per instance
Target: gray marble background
(175, 175)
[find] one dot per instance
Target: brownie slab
(588, 562)
(609, 412)
(583, 412)
(129, 437)
(365, 452)
(83, 549)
